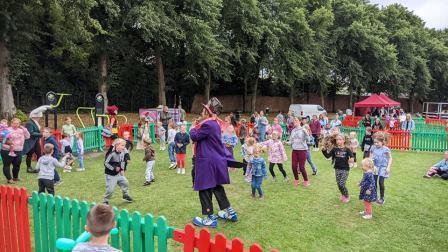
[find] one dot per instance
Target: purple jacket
(211, 156)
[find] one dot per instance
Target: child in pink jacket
(277, 154)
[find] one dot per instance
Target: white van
(306, 110)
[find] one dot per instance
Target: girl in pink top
(18, 134)
(277, 154)
(276, 127)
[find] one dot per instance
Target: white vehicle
(306, 110)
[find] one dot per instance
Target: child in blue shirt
(259, 171)
(382, 160)
(440, 169)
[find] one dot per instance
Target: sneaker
(31, 170)
(355, 165)
(106, 202)
(380, 201)
(152, 180)
(261, 197)
(58, 183)
(172, 166)
(285, 179)
(183, 171)
(345, 199)
(306, 183)
(16, 179)
(274, 179)
(362, 213)
(426, 176)
(315, 173)
(367, 217)
(296, 183)
(147, 183)
(127, 198)
(80, 170)
(205, 222)
(10, 181)
(178, 170)
(228, 214)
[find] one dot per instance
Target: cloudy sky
(433, 12)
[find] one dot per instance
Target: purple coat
(211, 156)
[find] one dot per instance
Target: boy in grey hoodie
(46, 165)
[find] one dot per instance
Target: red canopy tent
(375, 101)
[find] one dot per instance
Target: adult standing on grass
(18, 134)
(408, 124)
(315, 131)
(32, 144)
(211, 171)
(298, 140)
(262, 126)
(165, 119)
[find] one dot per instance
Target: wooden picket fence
(56, 217)
(14, 220)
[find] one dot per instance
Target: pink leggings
(298, 163)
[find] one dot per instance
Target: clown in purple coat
(210, 169)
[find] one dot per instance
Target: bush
(21, 115)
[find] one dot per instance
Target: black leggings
(316, 140)
(280, 167)
(34, 150)
(205, 196)
(14, 161)
(381, 184)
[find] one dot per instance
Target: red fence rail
(14, 220)
(436, 121)
(204, 242)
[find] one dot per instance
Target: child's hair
(258, 148)
(68, 118)
(119, 141)
(329, 142)
(79, 135)
(275, 133)
(171, 124)
(100, 220)
(15, 119)
(367, 163)
(65, 136)
(381, 136)
(4, 121)
(48, 129)
(147, 141)
(353, 134)
(250, 141)
(48, 148)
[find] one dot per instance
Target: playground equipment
(52, 102)
(438, 110)
(68, 244)
(97, 113)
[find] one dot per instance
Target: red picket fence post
(435, 121)
(14, 220)
(204, 242)
(398, 139)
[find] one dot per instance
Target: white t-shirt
(171, 135)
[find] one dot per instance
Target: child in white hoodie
(46, 165)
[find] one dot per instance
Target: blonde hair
(15, 119)
(250, 141)
(353, 134)
(381, 136)
(147, 141)
(367, 164)
(48, 148)
(4, 121)
(329, 142)
(119, 141)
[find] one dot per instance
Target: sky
(433, 12)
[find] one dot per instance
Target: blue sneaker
(205, 222)
(229, 214)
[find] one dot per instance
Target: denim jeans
(310, 161)
(256, 185)
(81, 161)
(171, 153)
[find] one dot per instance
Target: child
(171, 144)
(162, 135)
(367, 188)
(440, 169)
(382, 160)
(5, 137)
(46, 166)
(114, 171)
(128, 148)
(47, 134)
(277, 154)
(367, 143)
(66, 150)
(80, 148)
(311, 142)
(342, 157)
(243, 131)
(229, 138)
(247, 151)
(326, 130)
(182, 139)
(258, 171)
(69, 129)
(354, 146)
(392, 123)
(150, 157)
(100, 221)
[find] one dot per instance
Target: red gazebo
(375, 101)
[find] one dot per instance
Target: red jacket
(315, 127)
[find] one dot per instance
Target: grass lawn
(303, 219)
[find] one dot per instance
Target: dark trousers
(205, 196)
(316, 140)
(354, 157)
(366, 154)
(245, 167)
(380, 181)
(46, 184)
(14, 161)
(35, 150)
(193, 162)
(298, 163)
(442, 174)
(56, 176)
(280, 167)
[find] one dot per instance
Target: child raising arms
(277, 154)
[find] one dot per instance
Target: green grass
(303, 219)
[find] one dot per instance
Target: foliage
(21, 115)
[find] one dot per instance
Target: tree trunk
(322, 98)
(161, 78)
(254, 95)
(351, 95)
(207, 86)
(411, 101)
(7, 107)
(292, 93)
(102, 87)
(245, 95)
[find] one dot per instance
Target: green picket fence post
(137, 232)
(115, 238)
(162, 234)
(188, 124)
(51, 220)
(152, 131)
(135, 133)
(148, 231)
(36, 219)
(125, 231)
(43, 221)
(75, 219)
